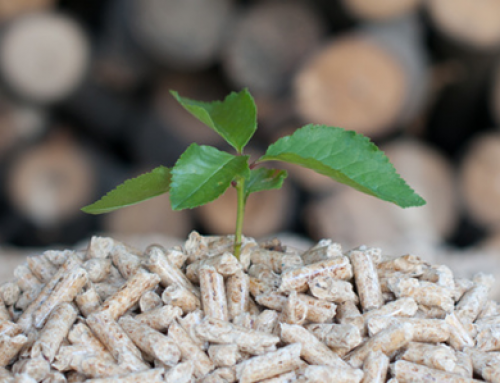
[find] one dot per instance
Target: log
(355, 218)
(341, 84)
(10, 9)
(267, 44)
(154, 216)
(48, 183)
(266, 212)
(51, 181)
(478, 174)
(180, 34)
(44, 56)
(45, 184)
(201, 86)
(482, 20)
(380, 10)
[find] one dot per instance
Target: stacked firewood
(84, 104)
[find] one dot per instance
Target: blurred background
(84, 104)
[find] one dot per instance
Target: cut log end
(44, 56)
(380, 10)
(342, 86)
(473, 23)
(51, 182)
(479, 175)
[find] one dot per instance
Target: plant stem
(240, 190)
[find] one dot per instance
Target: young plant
(203, 173)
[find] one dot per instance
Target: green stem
(240, 190)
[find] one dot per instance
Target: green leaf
(235, 118)
(347, 157)
(264, 179)
(202, 174)
(133, 191)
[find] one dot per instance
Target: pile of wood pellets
(195, 313)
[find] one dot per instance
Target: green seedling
(203, 173)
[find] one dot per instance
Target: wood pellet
(195, 314)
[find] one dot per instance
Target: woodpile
(85, 103)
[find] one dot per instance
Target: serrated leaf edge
(218, 102)
(419, 201)
(87, 209)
